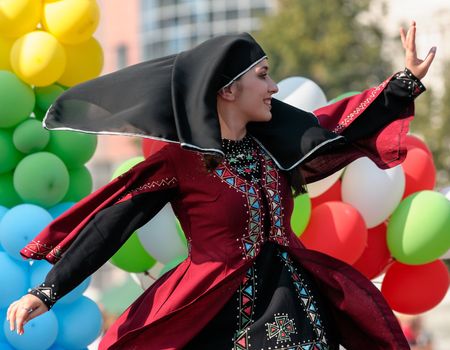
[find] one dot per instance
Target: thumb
(430, 57)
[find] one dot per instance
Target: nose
(273, 87)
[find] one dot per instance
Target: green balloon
(344, 95)
(46, 95)
(127, 165)
(172, 264)
(8, 195)
(301, 213)
(42, 179)
(39, 114)
(9, 155)
(80, 184)
(16, 99)
(418, 230)
(132, 256)
(30, 136)
(74, 148)
(181, 232)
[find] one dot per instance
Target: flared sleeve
(85, 237)
(374, 123)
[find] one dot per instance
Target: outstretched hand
(417, 66)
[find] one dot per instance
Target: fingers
(411, 37)
(24, 310)
(403, 37)
(430, 57)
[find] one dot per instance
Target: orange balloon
(413, 289)
(376, 256)
(336, 229)
(420, 172)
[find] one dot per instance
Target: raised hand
(417, 66)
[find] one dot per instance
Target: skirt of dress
(276, 307)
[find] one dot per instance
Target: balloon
(8, 195)
(5, 49)
(5, 346)
(418, 228)
(20, 225)
(38, 58)
(420, 171)
(18, 17)
(160, 238)
(9, 155)
(414, 141)
(172, 264)
(79, 323)
(150, 146)
(39, 114)
(60, 208)
(39, 333)
(3, 211)
(16, 98)
(41, 178)
(344, 95)
(301, 93)
(84, 62)
(415, 289)
(127, 165)
(301, 213)
(13, 279)
(333, 194)
(62, 143)
(336, 229)
(75, 293)
(376, 256)
(374, 192)
(80, 184)
(317, 188)
(132, 256)
(30, 136)
(46, 95)
(71, 21)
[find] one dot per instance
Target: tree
(326, 42)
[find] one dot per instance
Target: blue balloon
(76, 293)
(13, 279)
(2, 318)
(3, 211)
(5, 346)
(39, 333)
(20, 225)
(60, 208)
(80, 323)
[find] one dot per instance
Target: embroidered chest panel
(269, 187)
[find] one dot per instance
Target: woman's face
(254, 92)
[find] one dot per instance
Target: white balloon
(302, 93)
(374, 192)
(160, 238)
(446, 192)
(317, 188)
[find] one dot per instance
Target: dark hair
(295, 176)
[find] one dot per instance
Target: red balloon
(336, 229)
(413, 289)
(150, 146)
(376, 257)
(330, 195)
(420, 172)
(415, 142)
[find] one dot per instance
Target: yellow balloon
(18, 17)
(5, 49)
(71, 21)
(83, 62)
(38, 58)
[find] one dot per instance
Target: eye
(264, 75)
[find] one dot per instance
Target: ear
(228, 93)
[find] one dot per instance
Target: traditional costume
(248, 282)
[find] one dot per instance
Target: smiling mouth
(268, 102)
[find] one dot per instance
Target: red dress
(222, 217)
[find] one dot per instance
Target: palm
(416, 65)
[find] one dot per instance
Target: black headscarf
(174, 98)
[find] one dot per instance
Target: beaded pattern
(282, 328)
(246, 299)
(306, 299)
(414, 85)
(361, 107)
(149, 186)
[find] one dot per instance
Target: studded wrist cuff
(46, 294)
(411, 82)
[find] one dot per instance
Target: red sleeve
(156, 173)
